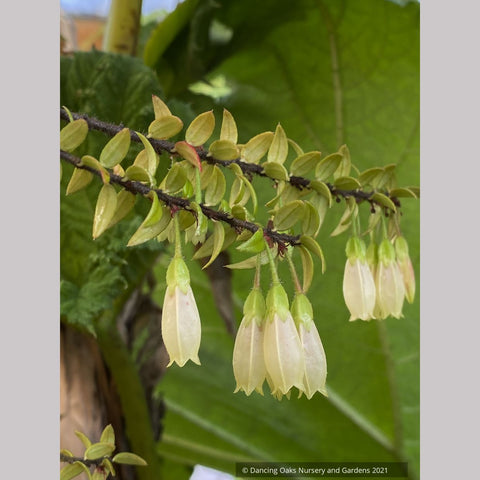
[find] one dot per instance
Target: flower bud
(358, 282)
(389, 282)
(406, 268)
(315, 374)
(282, 347)
(248, 362)
(181, 329)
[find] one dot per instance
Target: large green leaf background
(333, 72)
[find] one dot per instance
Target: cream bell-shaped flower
(358, 282)
(281, 344)
(181, 329)
(406, 268)
(315, 375)
(389, 282)
(248, 362)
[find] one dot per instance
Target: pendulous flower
(358, 282)
(406, 268)
(283, 351)
(248, 360)
(181, 329)
(389, 282)
(315, 375)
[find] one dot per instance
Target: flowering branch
(139, 188)
(249, 169)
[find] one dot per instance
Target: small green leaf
(307, 267)
(116, 149)
(345, 165)
(160, 109)
(125, 204)
(257, 147)
(347, 183)
(104, 210)
(275, 170)
(216, 188)
(206, 175)
(72, 470)
(250, 262)
(403, 192)
(89, 161)
(311, 244)
(228, 131)
(255, 244)
(152, 226)
(107, 464)
(278, 150)
(129, 459)
(165, 127)
(73, 134)
(201, 129)
(289, 214)
(350, 213)
(305, 163)
(98, 450)
(223, 150)
(80, 179)
(311, 219)
(151, 156)
(415, 190)
(137, 174)
(236, 191)
(189, 153)
(327, 167)
(253, 194)
(369, 177)
(322, 189)
(383, 200)
(64, 451)
(207, 248)
(218, 240)
(175, 179)
(240, 212)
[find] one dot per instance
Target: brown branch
(249, 169)
(171, 201)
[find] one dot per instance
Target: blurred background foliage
(331, 72)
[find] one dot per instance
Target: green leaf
(275, 170)
(288, 215)
(347, 183)
(72, 470)
(104, 210)
(125, 203)
(322, 189)
(345, 165)
(223, 150)
(311, 220)
(207, 248)
(257, 147)
(108, 435)
(255, 244)
(218, 242)
(116, 149)
(216, 188)
(151, 156)
(278, 150)
(73, 134)
(175, 179)
(250, 262)
(137, 174)
(312, 245)
(328, 166)
(92, 162)
(403, 192)
(201, 129)
(228, 131)
(129, 459)
(189, 153)
(307, 268)
(305, 163)
(165, 127)
(160, 109)
(383, 200)
(80, 179)
(99, 450)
